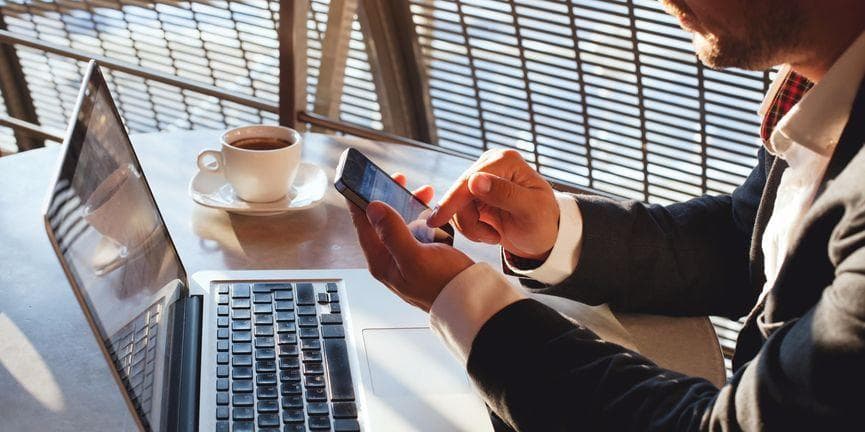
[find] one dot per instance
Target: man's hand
(415, 271)
(501, 199)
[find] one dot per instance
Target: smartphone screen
(368, 183)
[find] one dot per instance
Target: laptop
(285, 350)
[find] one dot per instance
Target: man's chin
(717, 54)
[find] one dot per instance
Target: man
(787, 249)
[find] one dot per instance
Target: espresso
(261, 143)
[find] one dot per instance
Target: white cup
(256, 175)
(119, 208)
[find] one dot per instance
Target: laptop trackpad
(412, 361)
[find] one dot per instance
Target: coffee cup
(119, 208)
(259, 161)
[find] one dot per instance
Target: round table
(52, 375)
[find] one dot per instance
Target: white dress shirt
(805, 138)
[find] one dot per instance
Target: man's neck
(835, 27)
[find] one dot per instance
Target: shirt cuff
(467, 302)
(565, 254)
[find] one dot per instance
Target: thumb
(392, 231)
(500, 193)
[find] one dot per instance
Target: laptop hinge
(187, 367)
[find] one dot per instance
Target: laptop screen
(115, 248)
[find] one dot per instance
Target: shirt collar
(818, 119)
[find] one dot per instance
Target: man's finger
(457, 197)
(424, 193)
(500, 193)
(399, 178)
(392, 232)
(468, 222)
(377, 256)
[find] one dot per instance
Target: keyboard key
(331, 287)
(294, 427)
(241, 314)
(263, 319)
(344, 410)
(309, 332)
(265, 379)
(317, 408)
(311, 344)
(319, 422)
(290, 402)
(286, 338)
(263, 330)
(265, 366)
(262, 308)
(243, 413)
(243, 399)
(267, 392)
(305, 294)
(222, 299)
(222, 413)
(283, 295)
(222, 310)
(241, 336)
(262, 287)
(265, 354)
(264, 342)
(222, 426)
(243, 426)
(289, 375)
(222, 288)
(334, 298)
(284, 316)
(239, 325)
(291, 388)
(322, 298)
(222, 398)
(222, 384)
(313, 368)
(222, 321)
(240, 303)
(334, 308)
(313, 381)
(241, 360)
(305, 310)
(241, 386)
(288, 350)
(316, 394)
(285, 327)
(307, 321)
(284, 305)
(222, 358)
(289, 363)
(240, 290)
(293, 415)
(346, 425)
(261, 298)
(241, 373)
(331, 319)
(332, 331)
(268, 406)
(312, 356)
(222, 371)
(241, 348)
(268, 420)
(222, 345)
(338, 372)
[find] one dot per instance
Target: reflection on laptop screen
(116, 248)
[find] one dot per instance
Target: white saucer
(212, 190)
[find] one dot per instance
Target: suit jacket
(800, 358)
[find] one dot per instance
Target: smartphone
(362, 181)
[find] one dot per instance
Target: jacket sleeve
(807, 376)
(689, 258)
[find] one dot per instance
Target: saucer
(212, 190)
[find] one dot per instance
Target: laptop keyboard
(133, 349)
(282, 359)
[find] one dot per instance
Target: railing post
(397, 65)
(334, 54)
(292, 61)
(16, 94)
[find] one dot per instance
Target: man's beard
(773, 28)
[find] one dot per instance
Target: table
(52, 376)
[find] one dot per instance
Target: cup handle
(210, 167)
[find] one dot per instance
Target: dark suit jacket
(800, 359)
